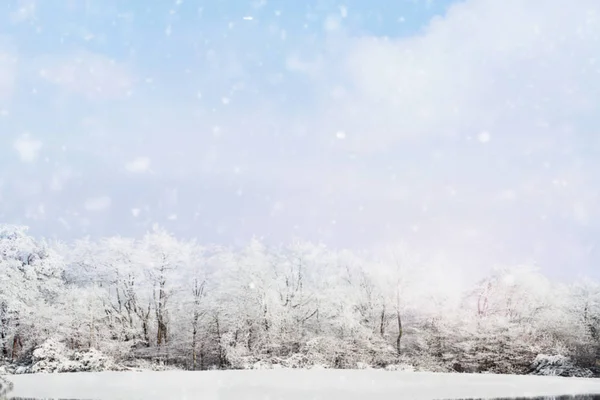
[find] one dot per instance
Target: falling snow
(413, 133)
(138, 165)
(484, 137)
(27, 148)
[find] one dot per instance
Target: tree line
(179, 303)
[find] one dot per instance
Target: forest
(162, 302)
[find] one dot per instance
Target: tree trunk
(399, 319)
(194, 357)
(161, 334)
(4, 346)
(16, 347)
(198, 292)
(201, 355)
(266, 318)
(4, 329)
(382, 322)
(399, 339)
(220, 346)
(194, 344)
(91, 345)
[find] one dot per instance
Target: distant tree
(167, 300)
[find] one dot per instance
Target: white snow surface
(292, 384)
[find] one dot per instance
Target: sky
(467, 130)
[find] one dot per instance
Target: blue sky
(467, 130)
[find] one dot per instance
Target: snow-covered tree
(30, 283)
(160, 299)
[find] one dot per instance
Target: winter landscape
(164, 304)
(322, 199)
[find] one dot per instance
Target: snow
(138, 165)
(292, 384)
(484, 137)
(27, 148)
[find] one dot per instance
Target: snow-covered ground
(292, 384)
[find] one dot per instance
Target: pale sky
(467, 129)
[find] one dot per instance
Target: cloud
(25, 12)
(472, 138)
(8, 71)
(60, 178)
(294, 63)
(98, 203)
(27, 148)
(493, 99)
(466, 73)
(138, 165)
(88, 74)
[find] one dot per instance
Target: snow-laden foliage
(159, 302)
(54, 356)
(51, 356)
(6, 387)
(30, 282)
(558, 365)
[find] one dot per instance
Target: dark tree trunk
(16, 347)
(382, 322)
(399, 339)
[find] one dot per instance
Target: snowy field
(291, 385)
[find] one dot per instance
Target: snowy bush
(22, 370)
(145, 365)
(236, 354)
(53, 356)
(260, 365)
(6, 370)
(362, 365)
(94, 361)
(51, 350)
(318, 351)
(400, 367)
(297, 361)
(380, 354)
(557, 365)
(5, 387)
(49, 366)
(333, 353)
